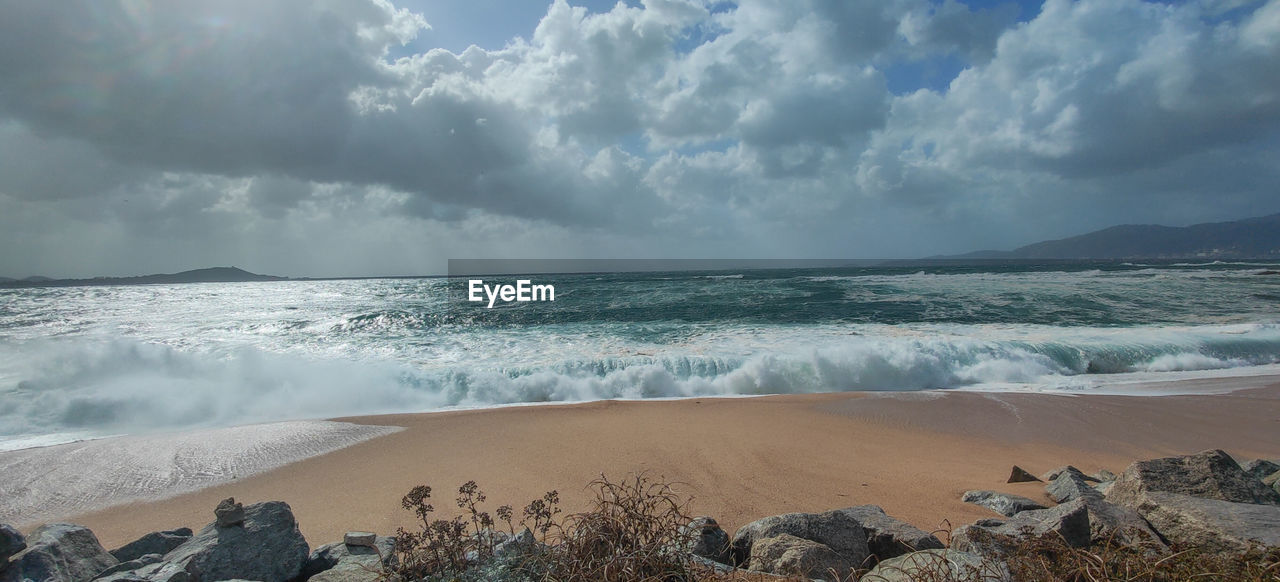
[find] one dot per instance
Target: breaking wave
(83, 386)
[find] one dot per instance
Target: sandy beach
(740, 458)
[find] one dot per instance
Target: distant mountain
(1252, 238)
(210, 275)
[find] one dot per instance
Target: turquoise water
(89, 361)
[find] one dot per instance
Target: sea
(95, 361)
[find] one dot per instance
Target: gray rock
(1054, 474)
(1104, 487)
(1005, 504)
(11, 542)
(229, 513)
(132, 564)
(1260, 468)
(360, 538)
(1020, 475)
(1273, 480)
(1068, 485)
(888, 537)
(59, 552)
(1111, 523)
(521, 544)
(1069, 520)
(1208, 475)
(154, 572)
(156, 542)
(708, 540)
(268, 547)
(1104, 475)
(1212, 525)
(328, 556)
(938, 565)
(789, 555)
(839, 531)
(352, 569)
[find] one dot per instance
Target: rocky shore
(1204, 504)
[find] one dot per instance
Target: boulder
(708, 540)
(1104, 475)
(11, 542)
(1054, 474)
(1273, 480)
(1005, 504)
(1213, 525)
(1020, 475)
(130, 565)
(267, 547)
(156, 542)
(1208, 475)
(1069, 520)
(360, 538)
(839, 531)
(1111, 523)
(1068, 485)
(789, 555)
(154, 572)
(328, 556)
(522, 544)
(888, 537)
(938, 565)
(229, 513)
(1260, 468)
(59, 552)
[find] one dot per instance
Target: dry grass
(634, 531)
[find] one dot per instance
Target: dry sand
(741, 459)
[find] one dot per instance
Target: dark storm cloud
(175, 133)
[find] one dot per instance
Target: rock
(229, 513)
(11, 542)
(328, 556)
(131, 564)
(789, 555)
(888, 537)
(524, 543)
(1104, 475)
(839, 531)
(59, 552)
(1069, 520)
(1260, 468)
(1208, 475)
(1111, 523)
(1054, 474)
(352, 569)
(708, 540)
(938, 564)
(1104, 487)
(268, 547)
(1005, 504)
(156, 542)
(1273, 480)
(360, 538)
(155, 572)
(1020, 475)
(1213, 525)
(1068, 486)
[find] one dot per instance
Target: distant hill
(1252, 238)
(210, 275)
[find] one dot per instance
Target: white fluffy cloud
(298, 137)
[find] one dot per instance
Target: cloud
(199, 130)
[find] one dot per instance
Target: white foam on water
(48, 483)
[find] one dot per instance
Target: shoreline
(913, 453)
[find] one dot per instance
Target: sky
(365, 137)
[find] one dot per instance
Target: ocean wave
(87, 387)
